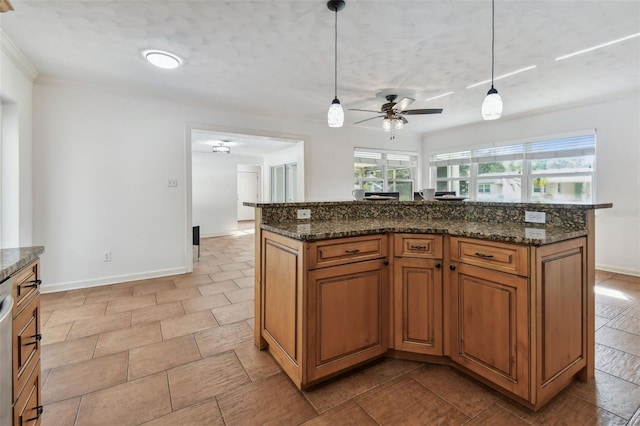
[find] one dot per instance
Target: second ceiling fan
(392, 112)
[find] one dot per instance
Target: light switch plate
(535, 217)
(304, 214)
(172, 182)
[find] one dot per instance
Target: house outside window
(553, 170)
(377, 170)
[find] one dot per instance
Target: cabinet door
(489, 326)
(26, 344)
(347, 316)
(28, 408)
(418, 305)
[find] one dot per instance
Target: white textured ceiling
(277, 56)
(204, 141)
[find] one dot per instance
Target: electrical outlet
(106, 256)
(304, 214)
(172, 182)
(535, 217)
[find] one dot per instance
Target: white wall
(215, 189)
(101, 160)
(617, 122)
(16, 92)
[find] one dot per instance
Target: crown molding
(16, 56)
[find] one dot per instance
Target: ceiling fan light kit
(335, 115)
(492, 104)
(221, 149)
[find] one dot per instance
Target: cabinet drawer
(28, 408)
(502, 257)
(26, 344)
(25, 285)
(417, 245)
(346, 250)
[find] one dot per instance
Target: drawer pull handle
(33, 284)
(38, 337)
(418, 247)
(356, 251)
(39, 409)
(484, 256)
(438, 266)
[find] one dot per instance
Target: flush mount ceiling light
(492, 104)
(221, 149)
(162, 59)
(335, 115)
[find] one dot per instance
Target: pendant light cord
(335, 51)
(493, 36)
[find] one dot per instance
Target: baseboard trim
(114, 279)
(618, 270)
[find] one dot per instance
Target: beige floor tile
(242, 295)
(226, 276)
(249, 272)
(608, 311)
(69, 352)
(258, 364)
(203, 303)
(224, 338)
(187, 324)
(99, 325)
(460, 391)
(618, 363)
(61, 303)
(251, 323)
(63, 316)
(106, 296)
(162, 356)
(85, 377)
(205, 413)
(234, 313)
(216, 288)
(245, 282)
(153, 287)
(130, 303)
(204, 379)
(206, 270)
(238, 266)
(564, 409)
(192, 281)
(274, 400)
(61, 413)
(347, 414)
(412, 404)
(621, 340)
(600, 322)
(625, 323)
(497, 416)
(156, 313)
(123, 404)
(610, 393)
(603, 276)
(56, 333)
(245, 258)
(127, 338)
(44, 317)
(176, 295)
(633, 311)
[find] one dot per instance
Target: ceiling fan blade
(404, 120)
(364, 110)
(367, 119)
(403, 103)
(421, 111)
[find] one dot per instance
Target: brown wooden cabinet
(27, 406)
(417, 293)
(324, 305)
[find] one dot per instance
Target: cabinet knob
(438, 266)
(386, 262)
(452, 267)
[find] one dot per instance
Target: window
(559, 170)
(284, 183)
(385, 171)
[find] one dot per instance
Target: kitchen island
(467, 284)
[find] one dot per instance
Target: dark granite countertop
(513, 233)
(573, 206)
(14, 259)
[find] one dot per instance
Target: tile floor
(178, 351)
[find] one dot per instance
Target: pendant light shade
(335, 115)
(492, 104)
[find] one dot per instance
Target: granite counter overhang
(14, 259)
(510, 233)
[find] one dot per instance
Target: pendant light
(492, 104)
(335, 116)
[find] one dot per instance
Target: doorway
(248, 191)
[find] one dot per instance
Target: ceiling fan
(392, 112)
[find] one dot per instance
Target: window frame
(386, 164)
